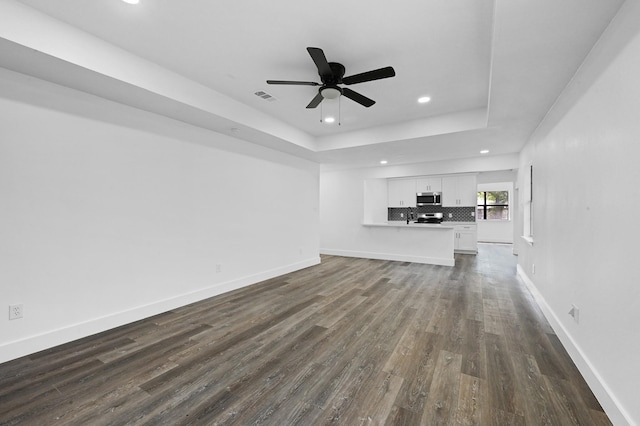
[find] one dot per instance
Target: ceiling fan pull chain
(321, 112)
(340, 111)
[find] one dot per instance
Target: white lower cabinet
(465, 238)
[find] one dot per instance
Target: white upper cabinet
(429, 184)
(450, 192)
(402, 192)
(468, 190)
(459, 191)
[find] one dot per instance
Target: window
(528, 205)
(493, 205)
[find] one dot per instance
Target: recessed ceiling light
(484, 151)
(131, 1)
(383, 161)
(424, 99)
(329, 119)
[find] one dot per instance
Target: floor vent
(265, 96)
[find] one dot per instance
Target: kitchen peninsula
(413, 242)
(388, 235)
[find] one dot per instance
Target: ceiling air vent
(265, 96)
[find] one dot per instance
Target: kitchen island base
(419, 243)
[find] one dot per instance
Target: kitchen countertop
(404, 224)
(401, 224)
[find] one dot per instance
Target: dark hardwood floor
(349, 342)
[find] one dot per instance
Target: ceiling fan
(331, 75)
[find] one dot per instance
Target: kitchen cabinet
(429, 184)
(465, 238)
(402, 192)
(459, 191)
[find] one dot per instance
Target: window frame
(528, 205)
(485, 205)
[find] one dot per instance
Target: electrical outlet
(533, 268)
(15, 311)
(218, 268)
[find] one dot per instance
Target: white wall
(342, 201)
(585, 250)
(110, 214)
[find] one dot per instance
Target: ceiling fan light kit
(332, 74)
(330, 92)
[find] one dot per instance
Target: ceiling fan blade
(357, 97)
(297, 83)
(324, 70)
(315, 101)
(378, 74)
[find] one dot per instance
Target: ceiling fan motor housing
(337, 71)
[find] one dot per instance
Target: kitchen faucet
(409, 215)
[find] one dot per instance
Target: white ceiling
(492, 68)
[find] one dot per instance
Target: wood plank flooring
(347, 342)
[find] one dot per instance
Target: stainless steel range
(429, 218)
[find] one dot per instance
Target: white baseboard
(616, 412)
(51, 338)
(390, 256)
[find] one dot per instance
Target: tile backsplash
(458, 214)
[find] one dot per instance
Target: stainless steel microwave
(428, 199)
